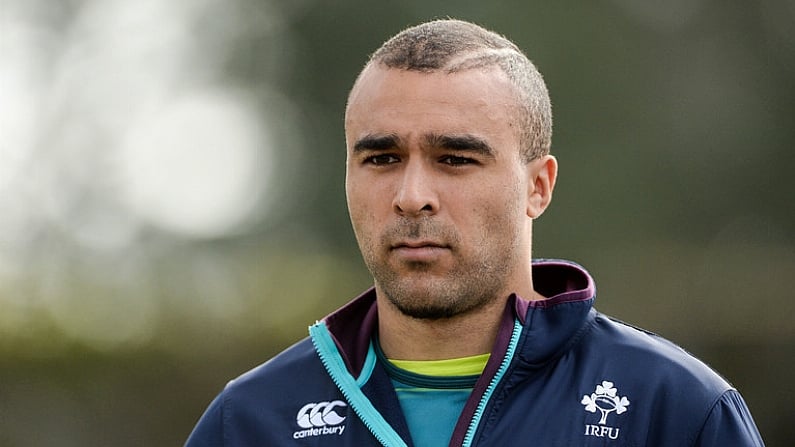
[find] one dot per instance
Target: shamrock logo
(606, 400)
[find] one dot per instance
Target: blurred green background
(172, 209)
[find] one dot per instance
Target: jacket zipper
(335, 366)
(484, 400)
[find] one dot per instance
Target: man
(464, 340)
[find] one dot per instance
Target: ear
(542, 174)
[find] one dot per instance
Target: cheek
(499, 212)
(359, 219)
(361, 211)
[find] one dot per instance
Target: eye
(381, 159)
(455, 160)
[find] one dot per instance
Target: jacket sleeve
(730, 424)
(209, 431)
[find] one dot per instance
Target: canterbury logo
(320, 414)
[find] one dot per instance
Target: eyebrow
(376, 142)
(456, 142)
(463, 142)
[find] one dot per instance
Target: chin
(428, 313)
(436, 302)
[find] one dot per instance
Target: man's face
(436, 188)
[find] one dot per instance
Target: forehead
(478, 101)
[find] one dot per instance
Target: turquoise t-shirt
(433, 393)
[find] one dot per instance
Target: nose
(416, 194)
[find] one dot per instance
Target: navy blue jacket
(560, 374)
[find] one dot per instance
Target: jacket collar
(552, 325)
(549, 325)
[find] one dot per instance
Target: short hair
(452, 46)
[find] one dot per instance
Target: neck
(403, 337)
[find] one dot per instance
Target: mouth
(417, 245)
(419, 251)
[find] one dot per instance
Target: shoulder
(277, 373)
(260, 406)
(659, 372)
(666, 393)
(650, 352)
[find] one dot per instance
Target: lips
(418, 244)
(419, 252)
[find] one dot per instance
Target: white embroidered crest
(605, 399)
